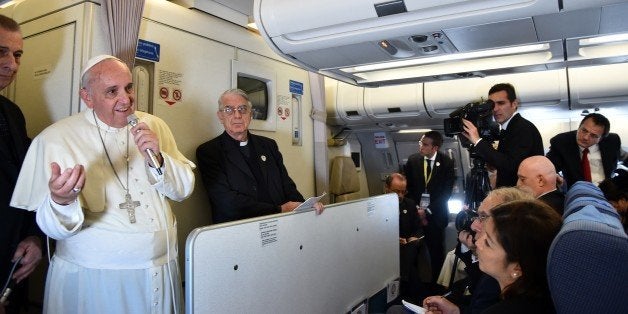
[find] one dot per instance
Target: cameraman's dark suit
(439, 187)
(519, 141)
(565, 155)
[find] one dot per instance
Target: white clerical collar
(244, 143)
(90, 115)
(504, 126)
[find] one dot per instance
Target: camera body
(480, 114)
(464, 219)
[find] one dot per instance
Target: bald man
(537, 174)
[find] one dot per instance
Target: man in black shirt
(244, 173)
(19, 234)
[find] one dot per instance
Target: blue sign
(147, 50)
(296, 87)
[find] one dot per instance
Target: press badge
(425, 200)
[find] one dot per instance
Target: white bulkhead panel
(598, 86)
(57, 40)
(546, 88)
(397, 101)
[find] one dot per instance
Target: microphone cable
(8, 286)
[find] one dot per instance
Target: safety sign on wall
(169, 87)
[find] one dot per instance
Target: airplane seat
(344, 184)
(587, 261)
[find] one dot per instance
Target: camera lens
(464, 219)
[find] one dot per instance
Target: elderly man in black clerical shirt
(244, 173)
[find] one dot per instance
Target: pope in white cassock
(96, 191)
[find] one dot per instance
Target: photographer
(519, 138)
(484, 289)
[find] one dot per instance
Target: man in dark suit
(431, 175)
(244, 173)
(411, 217)
(538, 176)
(19, 234)
(603, 150)
(519, 138)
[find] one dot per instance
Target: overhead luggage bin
(344, 104)
(398, 101)
(598, 86)
(546, 88)
(375, 43)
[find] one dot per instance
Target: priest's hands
(65, 186)
(146, 139)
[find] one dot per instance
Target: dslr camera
(480, 114)
(464, 219)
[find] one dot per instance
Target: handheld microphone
(133, 120)
(10, 284)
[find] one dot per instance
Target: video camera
(480, 114)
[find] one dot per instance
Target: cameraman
(519, 138)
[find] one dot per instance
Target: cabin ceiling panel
(568, 25)
(501, 34)
(614, 19)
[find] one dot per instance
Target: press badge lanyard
(427, 177)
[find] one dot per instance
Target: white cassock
(103, 263)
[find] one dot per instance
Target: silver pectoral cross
(129, 204)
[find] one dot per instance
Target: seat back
(344, 184)
(587, 267)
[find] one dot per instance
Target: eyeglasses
(481, 217)
(586, 132)
(243, 109)
(399, 191)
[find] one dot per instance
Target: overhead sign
(147, 50)
(296, 87)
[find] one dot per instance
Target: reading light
(414, 131)
(388, 47)
(450, 57)
(251, 24)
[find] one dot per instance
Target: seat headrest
(586, 264)
(585, 194)
(344, 176)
